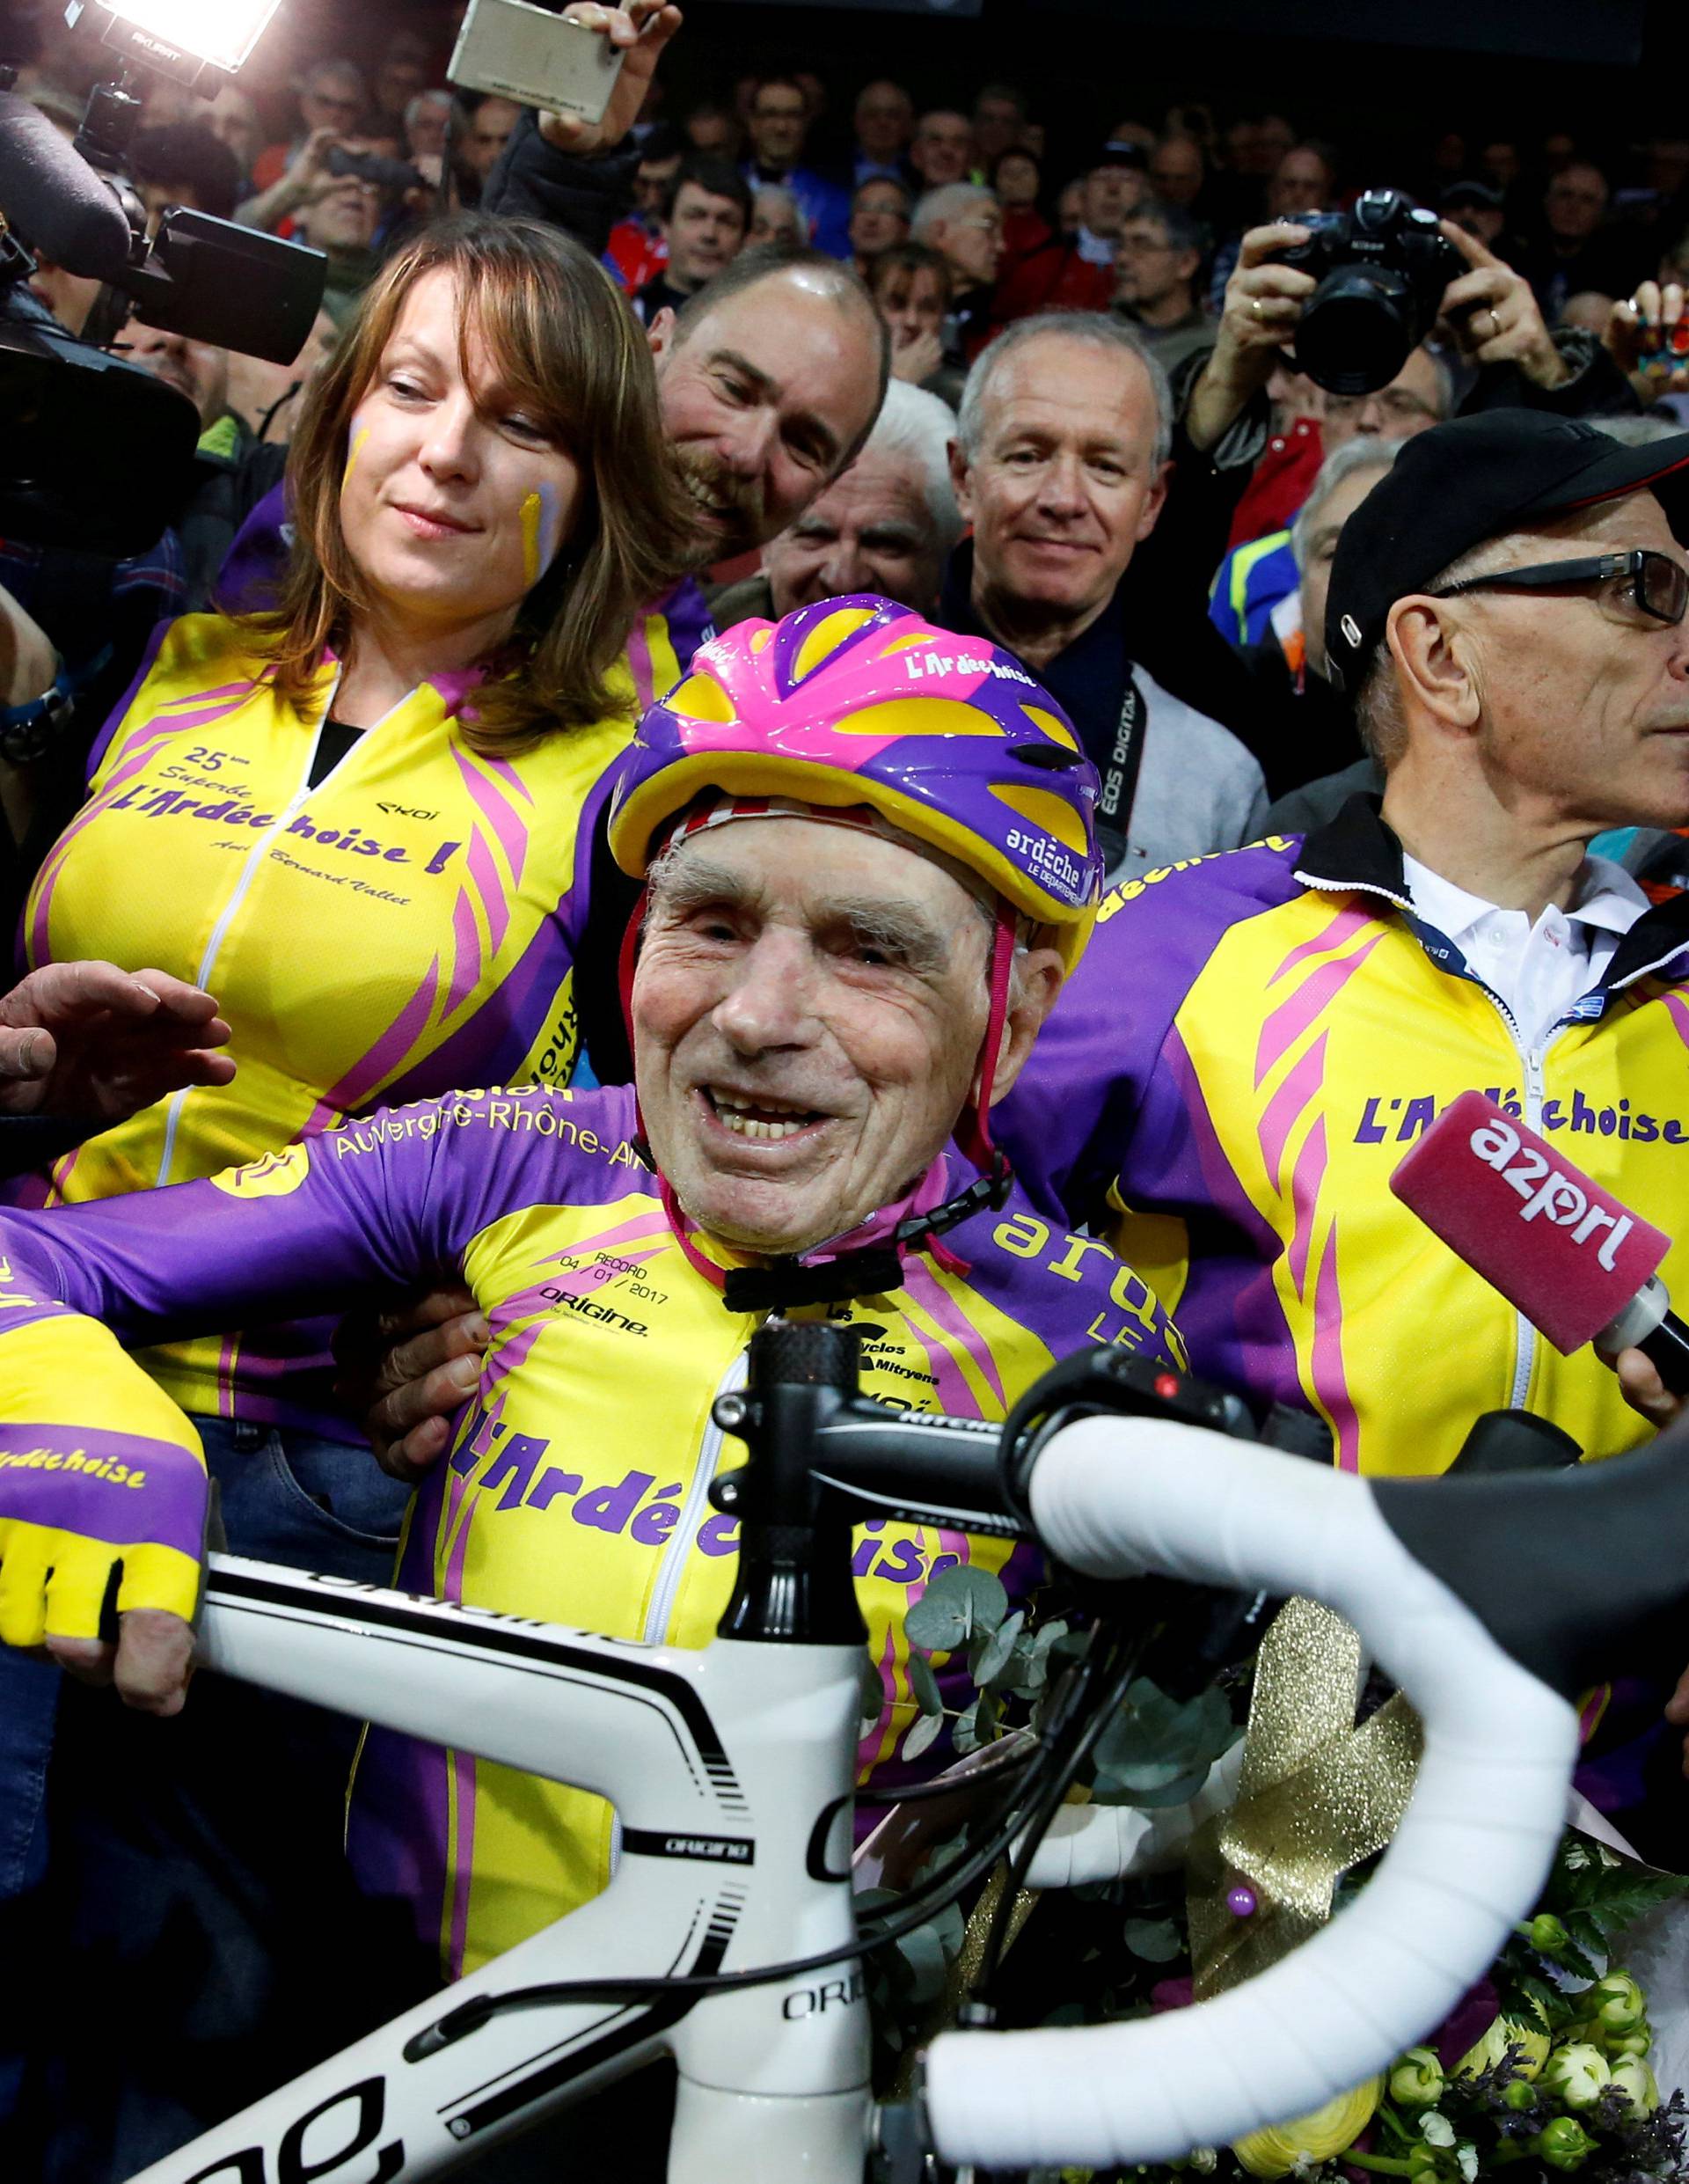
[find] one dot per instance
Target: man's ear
(660, 334)
(1433, 653)
(958, 480)
(1039, 978)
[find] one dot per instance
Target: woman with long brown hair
(364, 820)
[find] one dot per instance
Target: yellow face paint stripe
(358, 439)
(533, 509)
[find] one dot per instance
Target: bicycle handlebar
(1113, 1499)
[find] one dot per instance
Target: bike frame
(731, 1772)
(731, 1769)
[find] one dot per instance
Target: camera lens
(1357, 329)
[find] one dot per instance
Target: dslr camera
(1382, 268)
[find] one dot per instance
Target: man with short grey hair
(886, 524)
(1158, 255)
(964, 225)
(1061, 467)
(1508, 601)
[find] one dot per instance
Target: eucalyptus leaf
(994, 1654)
(923, 1685)
(923, 1733)
(1156, 1941)
(977, 1726)
(956, 1603)
(924, 1958)
(1156, 1751)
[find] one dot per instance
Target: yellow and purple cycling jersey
(575, 1490)
(407, 922)
(1252, 1044)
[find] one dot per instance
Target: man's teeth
(766, 1118)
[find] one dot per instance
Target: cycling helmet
(861, 701)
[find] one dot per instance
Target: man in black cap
(1256, 1038)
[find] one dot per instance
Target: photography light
(182, 36)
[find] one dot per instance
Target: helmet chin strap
(872, 1269)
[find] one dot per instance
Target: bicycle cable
(913, 1911)
(1044, 1810)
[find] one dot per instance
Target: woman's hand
(86, 1038)
(640, 32)
(918, 360)
(1647, 338)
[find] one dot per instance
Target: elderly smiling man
(870, 862)
(886, 524)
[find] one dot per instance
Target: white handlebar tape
(1115, 1498)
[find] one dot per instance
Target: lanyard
(1120, 771)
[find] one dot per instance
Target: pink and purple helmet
(859, 700)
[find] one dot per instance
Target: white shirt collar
(1606, 898)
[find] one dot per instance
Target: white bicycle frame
(731, 1771)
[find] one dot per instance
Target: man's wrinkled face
(1175, 171)
(870, 530)
(332, 102)
(943, 149)
(487, 134)
(762, 401)
(1301, 183)
(1585, 699)
(996, 124)
(651, 180)
(972, 244)
(1412, 403)
(232, 119)
(779, 120)
(879, 218)
(344, 217)
(1335, 511)
(1017, 178)
(884, 119)
(193, 368)
(1109, 194)
(1064, 483)
(807, 1015)
(1574, 200)
(704, 233)
(1147, 267)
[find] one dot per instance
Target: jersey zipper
(255, 857)
(1524, 1340)
(673, 1565)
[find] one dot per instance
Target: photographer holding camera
(1489, 311)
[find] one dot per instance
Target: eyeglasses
(1653, 582)
(1393, 401)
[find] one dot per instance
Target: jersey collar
(1356, 853)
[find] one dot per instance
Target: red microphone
(1567, 1253)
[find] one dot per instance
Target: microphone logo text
(1547, 1191)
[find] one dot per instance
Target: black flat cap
(1478, 477)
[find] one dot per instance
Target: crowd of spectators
(963, 220)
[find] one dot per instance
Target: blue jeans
(185, 1879)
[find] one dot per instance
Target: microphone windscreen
(1557, 1246)
(53, 196)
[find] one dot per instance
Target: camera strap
(1120, 770)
